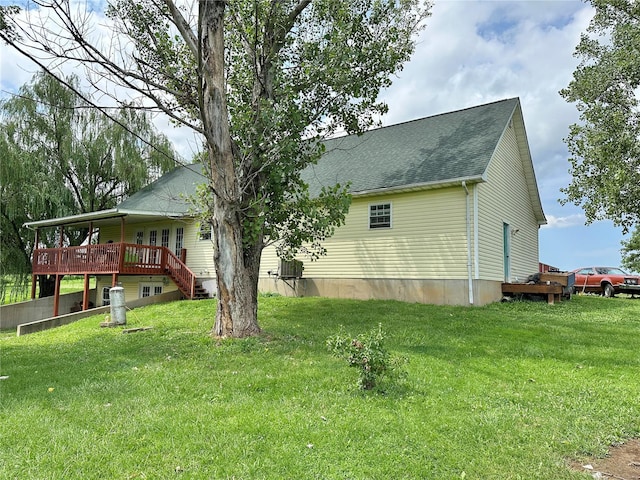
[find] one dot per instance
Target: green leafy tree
(605, 145)
(264, 82)
(631, 251)
(5, 25)
(61, 158)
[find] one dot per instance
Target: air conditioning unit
(290, 269)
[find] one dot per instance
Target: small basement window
(150, 289)
(380, 215)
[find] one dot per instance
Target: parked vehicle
(605, 280)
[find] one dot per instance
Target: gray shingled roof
(168, 195)
(432, 150)
(164, 197)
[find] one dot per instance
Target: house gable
(508, 200)
(167, 196)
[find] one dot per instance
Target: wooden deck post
(34, 278)
(56, 297)
(121, 254)
(114, 279)
(89, 237)
(85, 293)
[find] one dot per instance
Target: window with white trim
(164, 237)
(380, 215)
(205, 231)
(139, 237)
(150, 289)
(153, 241)
(179, 240)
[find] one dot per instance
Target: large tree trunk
(236, 264)
(237, 271)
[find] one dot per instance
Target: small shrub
(367, 353)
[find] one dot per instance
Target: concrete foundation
(437, 292)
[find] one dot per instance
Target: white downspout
(476, 229)
(469, 263)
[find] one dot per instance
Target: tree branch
(183, 27)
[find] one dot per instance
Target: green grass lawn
(507, 391)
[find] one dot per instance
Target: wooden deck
(115, 259)
(553, 292)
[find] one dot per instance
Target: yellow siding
(427, 240)
(131, 285)
(199, 252)
(112, 232)
(505, 199)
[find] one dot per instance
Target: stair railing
(181, 274)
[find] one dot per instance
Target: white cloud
(577, 219)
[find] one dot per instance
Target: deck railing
(118, 258)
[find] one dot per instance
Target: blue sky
(474, 52)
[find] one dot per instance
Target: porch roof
(104, 217)
(166, 197)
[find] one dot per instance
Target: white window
(139, 237)
(154, 258)
(164, 237)
(179, 240)
(380, 215)
(205, 231)
(106, 300)
(150, 289)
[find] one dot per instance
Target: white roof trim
(72, 219)
(95, 216)
(420, 186)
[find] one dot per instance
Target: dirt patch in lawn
(622, 463)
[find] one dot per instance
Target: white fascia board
(74, 219)
(421, 186)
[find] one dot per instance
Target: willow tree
(60, 157)
(605, 144)
(264, 82)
